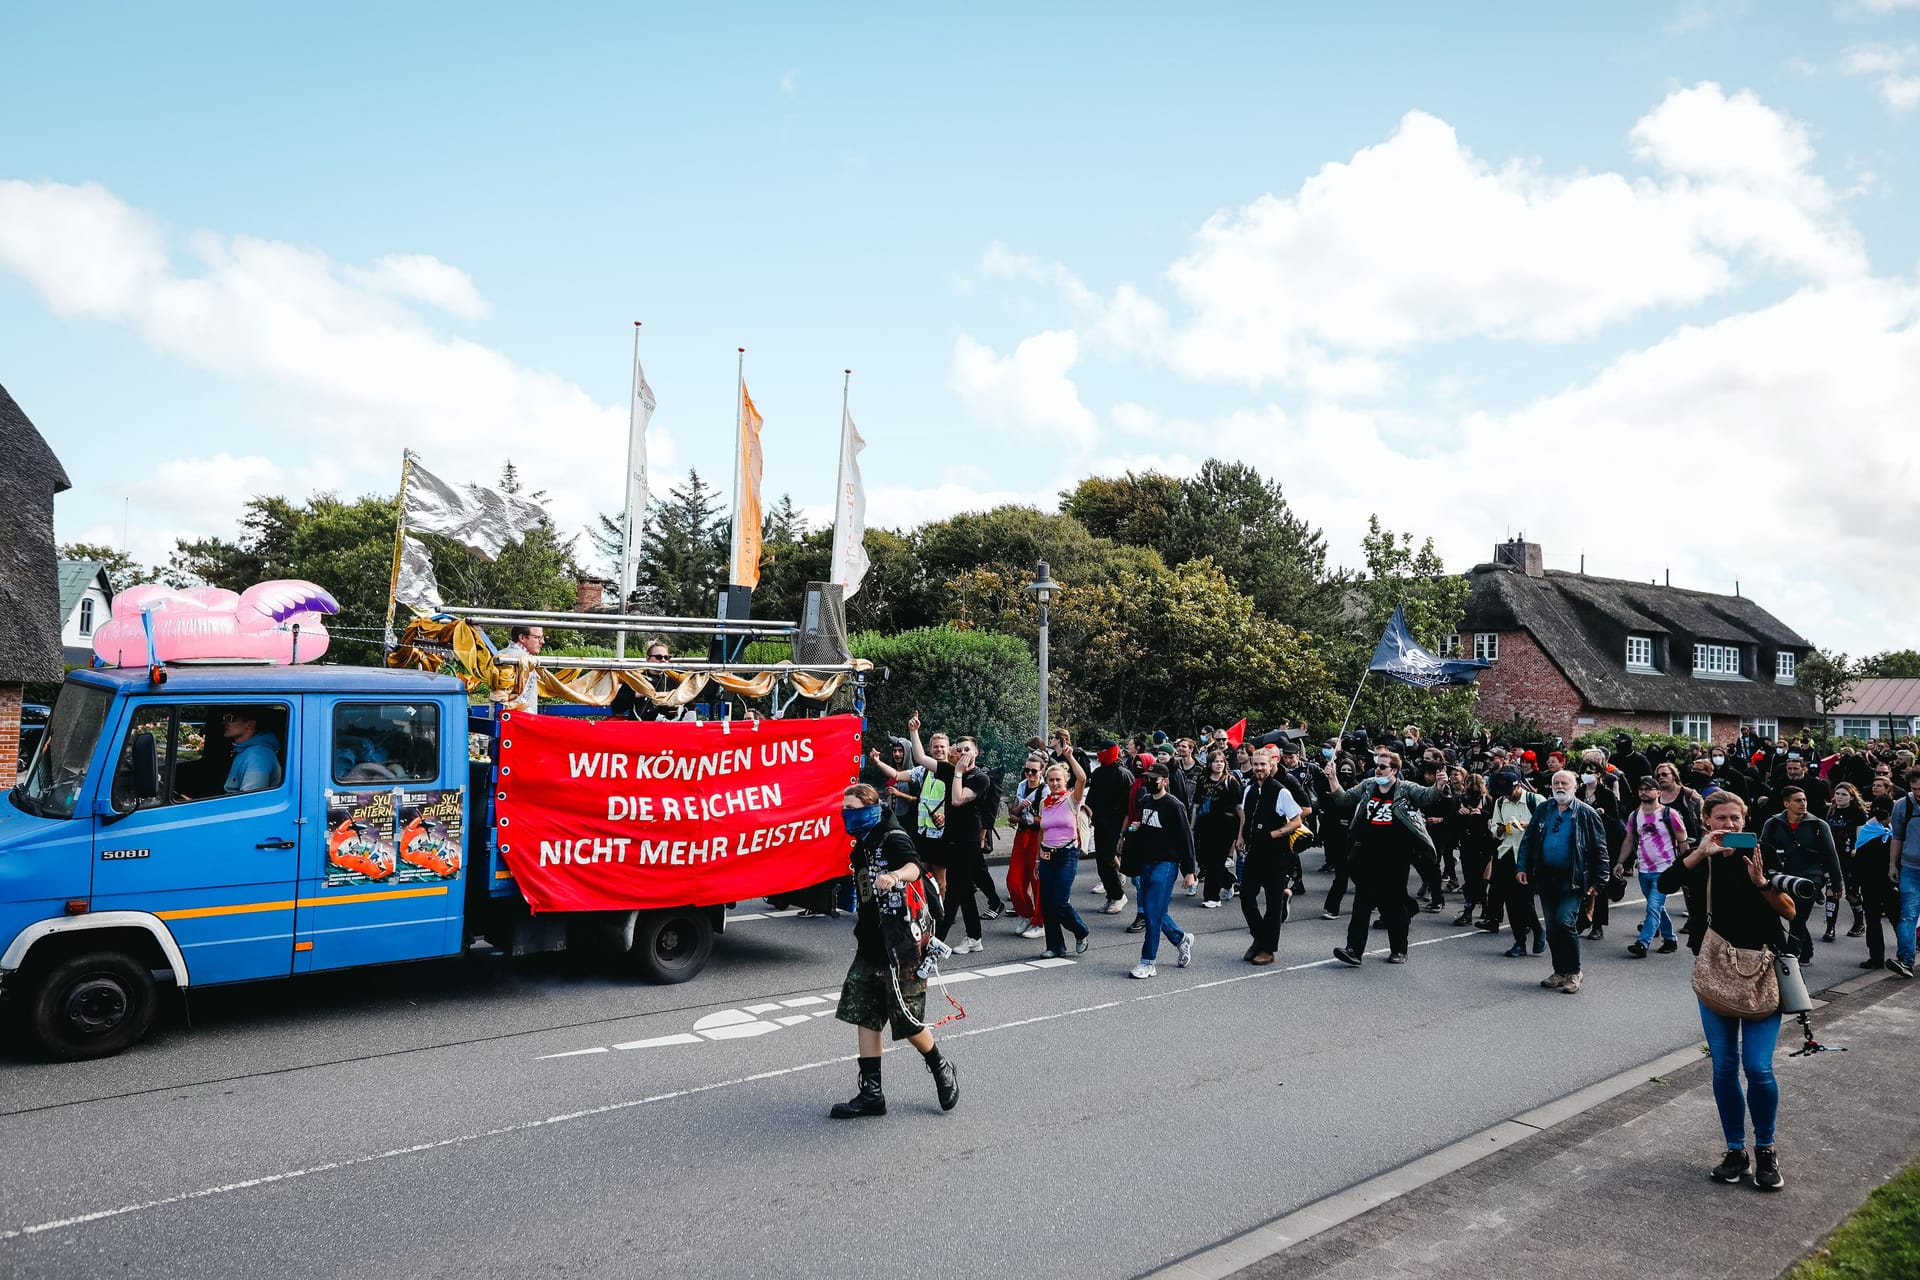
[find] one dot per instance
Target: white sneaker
(1142, 970)
(1115, 906)
(969, 944)
(1226, 894)
(1186, 950)
(1192, 889)
(1209, 906)
(1033, 931)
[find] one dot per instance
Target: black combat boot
(869, 1101)
(945, 1078)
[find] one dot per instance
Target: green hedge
(973, 682)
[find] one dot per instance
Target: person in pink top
(1060, 856)
(1656, 838)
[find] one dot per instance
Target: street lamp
(1043, 587)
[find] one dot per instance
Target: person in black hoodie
(1159, 850)
(876, 995)
(1110, 799)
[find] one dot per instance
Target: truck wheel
(671, 946)
(91, 1005)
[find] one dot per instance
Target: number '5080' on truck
(229, 823)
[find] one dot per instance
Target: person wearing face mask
(1846, 816)
(1799, 845)
(1159, 850)
(1713, 769)
(1216, 825)
(1597, 790)
(1386, 829)
(1511, 814)
(1109, 794)
(876, 996)
(1563, 858)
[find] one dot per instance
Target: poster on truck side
(360, 838)
(429, 846)
(618, 815)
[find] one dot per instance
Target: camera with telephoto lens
(1795, 887)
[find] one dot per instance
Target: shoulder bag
(1736, 982)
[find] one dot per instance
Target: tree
(683, 552)
(1433, 602)
(960, 682)
(1894, 664)
(1830, 677)
(123, 570)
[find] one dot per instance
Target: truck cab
(218, 823)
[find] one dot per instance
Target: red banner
(621, 814)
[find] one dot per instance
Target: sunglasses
(1030, 772)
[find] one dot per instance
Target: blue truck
(197, 825)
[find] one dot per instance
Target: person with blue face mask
(879, 993)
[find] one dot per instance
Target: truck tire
(671, 946)
(90, 1005)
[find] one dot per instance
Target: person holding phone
(1726, 871)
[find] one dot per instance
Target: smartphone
(1739, 840)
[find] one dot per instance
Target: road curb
(1284, 1232)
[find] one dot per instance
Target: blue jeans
(1561, 905)
(1056, 896)
(1156, 895)
(1737, 1044)
(1657, 918)
(1909, 913)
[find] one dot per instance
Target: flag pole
(739, 463)
(839, 552)
(626, 524)
(399, 540)
(1351, 705)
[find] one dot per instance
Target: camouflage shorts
(867, 999)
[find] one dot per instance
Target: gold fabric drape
(504, 682)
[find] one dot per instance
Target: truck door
(215, 853)
(382, 869)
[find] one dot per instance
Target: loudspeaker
(735, 605)
(822, 637)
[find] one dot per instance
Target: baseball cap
(1159, 771)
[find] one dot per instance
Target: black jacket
(1162, 835)
(1110, 796)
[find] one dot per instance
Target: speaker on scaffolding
(736, 604)
(822, 637)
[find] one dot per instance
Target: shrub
(961, 681)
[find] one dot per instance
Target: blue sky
(1476, 269)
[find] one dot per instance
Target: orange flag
(745, 570)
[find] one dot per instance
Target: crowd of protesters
(1532, 839)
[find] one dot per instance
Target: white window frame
(1685, 724)
(1486, 646)
(1716, 660)
(1450, 645)
(1640, 653)
(1784, 666)
(1899, 726)
(86, 615)
(1769, 729)
(1856, 727)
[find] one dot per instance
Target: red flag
(1238, 733)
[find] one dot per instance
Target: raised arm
(920, 757)
(883, 766)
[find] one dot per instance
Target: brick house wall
(11, 698)
(1523, 681)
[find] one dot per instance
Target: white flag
(636, 515)
(849, 563)
(484, 520)
(416, 585)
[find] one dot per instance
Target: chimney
(1520, 554)
(589, 594)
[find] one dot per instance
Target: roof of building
(30, 616)
(75, 577)
(1581, 623)
(1880, 697)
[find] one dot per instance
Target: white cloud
(1896, 69)
(1888, 6)
(360, 373)
(1029, 388)
(189, 486)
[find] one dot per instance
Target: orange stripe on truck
(337, 900)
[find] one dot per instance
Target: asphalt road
(491, 1117)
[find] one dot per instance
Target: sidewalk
(1622, 1189)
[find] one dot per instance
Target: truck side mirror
(146, 767)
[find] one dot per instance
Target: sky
(1640, 281)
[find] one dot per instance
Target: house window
(1768, 729)
(1783, 663)
(1852, 728)
(1486, 646)
(1684, 725)
(1716, 660)
(1900, 726)
(86, 617)
(1640, 653)
(1450, 645)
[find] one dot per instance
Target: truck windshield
(59, 768)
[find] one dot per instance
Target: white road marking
(794, 1019)
(526, 1126)
(678, 1037)
(763, 1008)
(1002, 970)
(802, 1002)
(724, 1018)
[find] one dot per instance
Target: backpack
(1667, 815)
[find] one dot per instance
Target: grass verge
(1880, 1242)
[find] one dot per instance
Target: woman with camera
(1746, 913)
